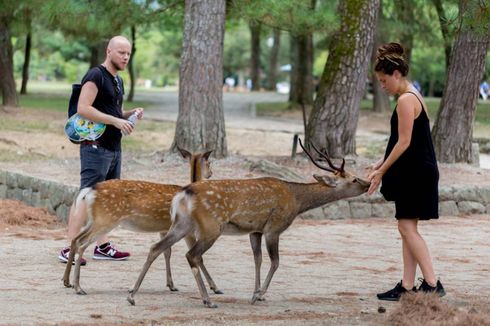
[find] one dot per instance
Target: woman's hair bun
(390, 48)
(390, 57)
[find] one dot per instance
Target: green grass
(60, 87)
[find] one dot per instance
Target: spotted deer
(136, 205)
(263, 206)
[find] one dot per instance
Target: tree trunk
(200, 123)
(405, 14)
(25, 67)
(381, 100)
(294, 87)
(132, 77)
(453, 129)
(272, 79)
(255, 55)
(7, 81)
(443, 22)
(302, 87)
(333, 122)
(97, 53)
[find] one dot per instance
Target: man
(101, 100)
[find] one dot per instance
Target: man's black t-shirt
(109, 100)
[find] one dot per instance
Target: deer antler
(332, 167)
(325, 156)
(313, 160)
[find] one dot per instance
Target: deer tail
(182, 204)
(86, 194)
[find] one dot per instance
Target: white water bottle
(132, 119)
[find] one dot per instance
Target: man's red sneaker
(108, 252)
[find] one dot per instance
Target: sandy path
(331, 276)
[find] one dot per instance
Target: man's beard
(118, 66)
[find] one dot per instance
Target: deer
(136, 205)
(259, 207)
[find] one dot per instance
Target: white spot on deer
(210, 192)
(206, 205)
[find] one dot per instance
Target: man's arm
(85, 109)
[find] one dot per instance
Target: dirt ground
(329, 272)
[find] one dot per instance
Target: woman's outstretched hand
(375, 178)
(374, 175)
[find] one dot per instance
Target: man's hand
(139, 111)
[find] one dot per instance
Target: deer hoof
(257, 297)
(67, 284)
(131, 300)
(130, 291)
(217, 291)
(81, 292)
(209, 304)
(172, 288)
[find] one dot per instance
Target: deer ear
(185, 154)
(329, 181)
(207, 154)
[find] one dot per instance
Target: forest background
(321, 50)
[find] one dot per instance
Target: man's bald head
(117, 54)
(118, 40)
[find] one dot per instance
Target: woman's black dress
(412, 181)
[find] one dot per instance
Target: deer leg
(190, 241)
(272, 242)
(170, 282)
(256, 243)
(76, 272)
(71, 257)
(73, 249)
(82, 241)
(167, 254)
(194, 256)
(180, 228)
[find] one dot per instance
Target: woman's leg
(409, 267)
(417, 247)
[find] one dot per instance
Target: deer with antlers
(136, 205)
(263, 206)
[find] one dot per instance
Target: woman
(408, 171)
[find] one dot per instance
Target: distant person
(248, 83)
(230, 83)
(484, 88)
(101, 100)
(408, 171)
(417, 86)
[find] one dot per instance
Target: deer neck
(312, 195)
(195, 170)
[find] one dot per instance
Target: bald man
(101, 100)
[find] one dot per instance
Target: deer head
(339, 172)
(200, 166)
